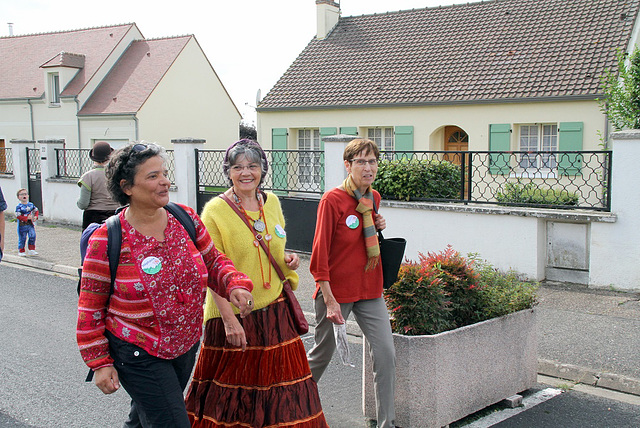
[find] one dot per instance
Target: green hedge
(530, 194)
(418, 179)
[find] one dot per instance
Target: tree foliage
(248, 131)
(622, 92)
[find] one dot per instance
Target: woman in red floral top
(146, 334)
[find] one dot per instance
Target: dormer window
(54, 89)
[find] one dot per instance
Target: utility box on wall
(567, 252)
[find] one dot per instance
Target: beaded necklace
(259, 225)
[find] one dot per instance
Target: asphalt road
(43, 385)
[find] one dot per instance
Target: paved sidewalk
(585, 336)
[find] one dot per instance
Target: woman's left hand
(381, 223)
(292, 260)
(243, 300)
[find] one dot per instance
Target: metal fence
(72, 163)
(567, 179)
(33, 162)
(6, 160)
(290, 171)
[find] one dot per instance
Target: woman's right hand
(234, 331)
(106, 378)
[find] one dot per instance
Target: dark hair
(251, 150)
(360, 145)
(124, 164)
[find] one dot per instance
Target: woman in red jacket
(345, 265)
(144, 333)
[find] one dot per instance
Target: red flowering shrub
(442, 291)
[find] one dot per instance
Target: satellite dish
(258, 97)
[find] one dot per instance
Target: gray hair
(251, 151)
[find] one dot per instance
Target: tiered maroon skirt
(268, 385)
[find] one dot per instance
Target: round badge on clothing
(280, 231)
(352, 221)
(151, 265)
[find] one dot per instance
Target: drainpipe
(75, 98)
(33, 131)
(135, 120)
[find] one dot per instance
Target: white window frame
(534, 137)
(54, 89)
(383, 136)
(309, 164)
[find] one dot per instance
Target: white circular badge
(151, 265)
(352, 221)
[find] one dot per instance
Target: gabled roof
(66, 59)
(491, 51)
(22, 56)
(135, 76)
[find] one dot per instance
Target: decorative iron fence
(290, 171)
(568, 179)
(6, 160)
(33, 162)
(72, 163)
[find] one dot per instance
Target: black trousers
(156, 386)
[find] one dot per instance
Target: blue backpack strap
(184, 218)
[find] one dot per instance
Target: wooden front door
(456, 140)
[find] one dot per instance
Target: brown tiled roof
(22, 56)
(486, 51)
(135, 76)
(66, 59)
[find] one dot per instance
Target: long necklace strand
(258, 236)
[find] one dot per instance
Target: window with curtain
(537, 138)
(309, 164)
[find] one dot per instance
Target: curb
(588, 376)
(569, 372)
(40, 264)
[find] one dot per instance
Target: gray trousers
(373, 319)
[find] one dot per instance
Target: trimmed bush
(406, 179)
(529, 193)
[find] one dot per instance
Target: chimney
(328, 14)
(10, 24)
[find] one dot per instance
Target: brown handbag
(299, 320)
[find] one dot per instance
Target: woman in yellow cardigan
(252, 371)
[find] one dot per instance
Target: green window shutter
(349, 130)
(570, 139)
(403, 138)
(326, 132)
(278, 164)
(499, 141)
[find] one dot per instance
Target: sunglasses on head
(139, 147)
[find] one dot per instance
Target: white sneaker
(22, 253)
(33, 253)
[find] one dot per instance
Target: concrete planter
(444, 377)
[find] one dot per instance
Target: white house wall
(15, 122)
(429, 121)
(201, 108)
(107, 128)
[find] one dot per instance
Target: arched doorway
(457, 140)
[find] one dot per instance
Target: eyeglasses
(363, 162)
(251, 167)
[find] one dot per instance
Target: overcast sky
(250, 43)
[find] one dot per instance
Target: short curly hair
(251, 150)
(124, 164)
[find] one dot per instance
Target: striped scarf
(365, 207)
